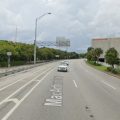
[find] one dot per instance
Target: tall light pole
(35, 45)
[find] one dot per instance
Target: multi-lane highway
(42, 93)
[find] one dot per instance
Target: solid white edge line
(17, 105)
(109, 85)
(75, 83)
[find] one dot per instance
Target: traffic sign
(9, 53)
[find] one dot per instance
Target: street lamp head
(49, 13)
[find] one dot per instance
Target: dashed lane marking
(109, 85)
(75, 83)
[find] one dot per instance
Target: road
(42, 93)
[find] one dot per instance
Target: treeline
(23, 53)
(93, 54)
(111, 56)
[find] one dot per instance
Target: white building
(106, 43)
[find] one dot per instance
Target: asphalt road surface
(42, 93)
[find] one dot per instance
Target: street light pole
(35, 41)
(35, 44)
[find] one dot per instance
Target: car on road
(66, 62)
(62, 68)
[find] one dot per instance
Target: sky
(78, 20)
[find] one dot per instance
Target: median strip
(17, 105)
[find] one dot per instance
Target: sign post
(9, 54)
(57, 56)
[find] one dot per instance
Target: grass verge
(103, 69)
(97, 66)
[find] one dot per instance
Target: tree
(94, 54)
(89, 49)
(91, 55)
(82, 55)
(98, 52)
(111, 57)
(74, 55)
(23, 53)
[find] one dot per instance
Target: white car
(62, 68)
(66, 62)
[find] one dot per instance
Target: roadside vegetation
(111, 58)
(23, 53)
(82, 55)
(97, 66)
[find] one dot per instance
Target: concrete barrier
(12, 70)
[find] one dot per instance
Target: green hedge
(113, 70)
(13, 63)
(3, 64)
(94, 63)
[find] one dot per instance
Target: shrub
(94, 63)
(109, 69)
(114, 71)
(118, 70)
(12, 63)
(17, 63)
(97, 64)
(3, 64)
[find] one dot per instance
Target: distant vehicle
(66, 62)
(63, 68)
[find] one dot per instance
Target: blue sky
(78, 20)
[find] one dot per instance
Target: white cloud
(79, 20)
(106, 21)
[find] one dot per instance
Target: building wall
(115, 43)
(106, 43)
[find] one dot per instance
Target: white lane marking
(15, 100)
(17, 81)
(22, 87)
(102, 80)
(75, 83)
(12, 84)
(17, 105)
(36, 80)
(56, 96)
(109, 85)
(54, 103)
